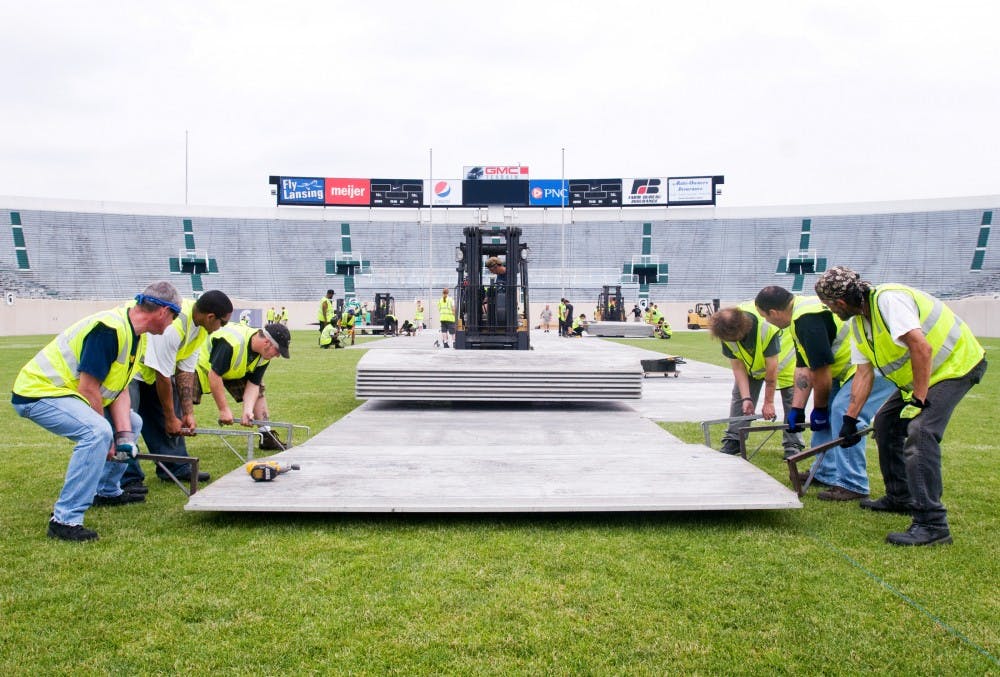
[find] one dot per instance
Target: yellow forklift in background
(701, 314)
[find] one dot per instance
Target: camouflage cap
(839, 282)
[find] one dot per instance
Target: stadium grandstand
(71, 250)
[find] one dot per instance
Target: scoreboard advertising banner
(506, 185)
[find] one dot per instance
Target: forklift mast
(385, 304)
(609, 304)
(492, 309)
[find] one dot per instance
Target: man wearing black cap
(326, 310)
(235, 360)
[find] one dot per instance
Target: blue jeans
(146, 401)
(842, 467)
(909, 450)
(88, 472)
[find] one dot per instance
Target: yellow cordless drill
(265, 471)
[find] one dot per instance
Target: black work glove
(794, 418)
(849, 431)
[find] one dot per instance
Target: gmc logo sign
(495, 172)
(505, 171)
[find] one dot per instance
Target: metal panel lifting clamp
(706, 426)
(798, 485)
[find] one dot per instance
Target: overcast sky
(794, 102)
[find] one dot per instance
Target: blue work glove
(819, 419)
(913, 407)
(849, 432)
(794, 418)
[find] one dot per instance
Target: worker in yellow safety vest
(77, 387)
(235, 360)
(933, 359)
(418, 317)
(761, 356)
(325, 312)
(824, 369)
(446, 314)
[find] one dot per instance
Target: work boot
(920, 534)
(135, 487)
(839, 494)
(121, 499)
(731, 447)
(791, 451)
(270, 442)
(885, 504)
(70, 532)
(803, 476)
(446, 344)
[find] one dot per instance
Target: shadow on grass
(737, 521)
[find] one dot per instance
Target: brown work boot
(839, 494)
(803, 476)
(270, 442)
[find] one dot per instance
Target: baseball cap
(278, 335)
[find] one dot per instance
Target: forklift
(385, 304)
(492, 310)
(609, 305)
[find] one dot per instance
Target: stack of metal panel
(620, 329)
(494, 375)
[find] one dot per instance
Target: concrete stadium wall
(26, 317)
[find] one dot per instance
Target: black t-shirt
(816, 333)
(222, 356)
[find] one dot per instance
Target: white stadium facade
(62, 259)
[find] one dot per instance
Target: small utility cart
(664, 366)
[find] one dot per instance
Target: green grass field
(789, 592)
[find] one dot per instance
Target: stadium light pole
(562, 225)
(430, 238)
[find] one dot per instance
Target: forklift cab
(385, 304)
(609, 304)
(492, 305)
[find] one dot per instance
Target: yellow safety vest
(418, 314)
(192, 338)
(271, 312)
(562, 311)
(54, 370)
(326, 336)
(754, 362)
(240, 364)
(841, 369)
(446, 309)
(955, 349)
(320, 315)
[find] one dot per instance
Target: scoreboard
(510, 193)
(397, 192)
(595, 192)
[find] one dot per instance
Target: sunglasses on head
(172, 307)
